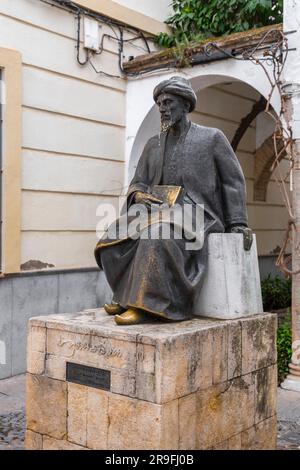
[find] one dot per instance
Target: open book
(168, 194)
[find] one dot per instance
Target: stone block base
(199, 384)
(231, 288)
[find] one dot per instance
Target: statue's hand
(247, 234)
(147, 199)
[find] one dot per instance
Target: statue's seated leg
(156, 275)
(114, 308)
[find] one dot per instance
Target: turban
(177, 86)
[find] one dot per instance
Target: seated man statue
(156, 277)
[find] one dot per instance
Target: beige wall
(139, 13)
(73, 124)
(73, 132)
(11, 102)
(157, 9)
(224, 106)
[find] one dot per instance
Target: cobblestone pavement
(12, 429)
(288, 436)
(288, 420)
(12, 416)
(12, 413)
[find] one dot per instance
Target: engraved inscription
(140, 355)
(87, 375)
(101, 349)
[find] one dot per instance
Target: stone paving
(12, 413)
(12, 427)
(12, 416)
(289, 420)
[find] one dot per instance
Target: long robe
(158, 275)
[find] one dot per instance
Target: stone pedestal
(231, 288)
(199, 384)
(291, 382)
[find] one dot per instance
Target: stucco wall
(157, 9)
(73, 122)
(73, 134)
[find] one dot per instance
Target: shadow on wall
(35, 294)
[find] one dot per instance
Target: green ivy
(199, 19)
(284, 349)
(276, 293)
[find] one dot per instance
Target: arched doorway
(223, 101)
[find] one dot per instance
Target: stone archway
(266, 214)
(141, 114)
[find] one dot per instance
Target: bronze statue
(159, 277)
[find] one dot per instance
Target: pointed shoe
(114, 309)
(131, 317)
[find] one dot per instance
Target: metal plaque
(86, 375)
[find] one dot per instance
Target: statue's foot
(132, 316)
(114, 309)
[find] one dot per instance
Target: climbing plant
(200, 19)
(284, 349)
(276, 293)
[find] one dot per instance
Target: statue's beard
(166, 125)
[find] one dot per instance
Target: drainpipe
(291, 90)
(1, 166)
